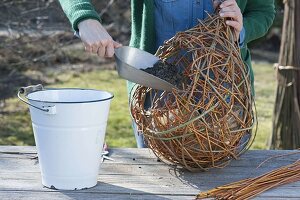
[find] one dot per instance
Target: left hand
(229, 9)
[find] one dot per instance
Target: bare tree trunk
(286, 118)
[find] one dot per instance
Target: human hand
(96, 39)
(230, 9)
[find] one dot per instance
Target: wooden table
(136, 174)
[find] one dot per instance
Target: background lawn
(16, 126)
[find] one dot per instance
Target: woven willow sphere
(209, 119)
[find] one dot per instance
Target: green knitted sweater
(258, 16)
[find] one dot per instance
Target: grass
(16, 126)
(265, 86)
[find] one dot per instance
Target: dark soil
(167, 72)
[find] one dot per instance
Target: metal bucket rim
(70, 102)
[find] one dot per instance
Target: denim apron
(172, 16)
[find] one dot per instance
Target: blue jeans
(138, 136)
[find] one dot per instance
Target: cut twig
(249, 188)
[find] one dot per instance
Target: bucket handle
(29, 89)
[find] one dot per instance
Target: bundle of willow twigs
(209, 119)
(249, 188)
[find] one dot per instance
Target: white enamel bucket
(69, 129)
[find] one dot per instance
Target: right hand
(96, 39)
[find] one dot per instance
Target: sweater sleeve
(78, 10)
(258, 17)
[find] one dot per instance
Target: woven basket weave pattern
(209, 120)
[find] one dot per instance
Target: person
(154, 21)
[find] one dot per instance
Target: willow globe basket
(210, 118)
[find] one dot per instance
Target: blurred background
(37, 45)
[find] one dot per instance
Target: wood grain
(136, 174)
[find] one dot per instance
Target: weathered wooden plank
(280, 192)
(17, 195)
(239, 169)
(123, 184)
(141, 185)
(233, 172)
(222, 176)
(137, 172)
(63, 196)
(248, 160)
(18, 149)
(192, 178)
(247, 163)
(117, 152)
(146, 153)
(21, 195)
(219, 177)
